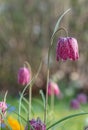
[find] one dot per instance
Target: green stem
(48, 67)
(61, 28)
(30, 91)
(22, 94)
(5, 96)
(52, 100)
(1, 123)
(30, 97)
(46, 101)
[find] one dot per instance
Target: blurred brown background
(26, 27)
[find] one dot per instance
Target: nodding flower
(67, 48)
(24, 76)
(53, 88)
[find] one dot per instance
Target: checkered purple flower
(36, 125)
(67, 48)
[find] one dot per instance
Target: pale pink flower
(24, 76)
(53, 88)
(67, 48)
(3, 107)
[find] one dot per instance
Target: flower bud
(24, 76)
(53, 89)
(67, 48)
(82, 98)
(74, 104)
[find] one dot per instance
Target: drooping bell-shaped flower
(67, 48)
(36, 125)
(53, 88)
(24, 76)
(3, 107)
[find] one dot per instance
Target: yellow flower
(14, 124)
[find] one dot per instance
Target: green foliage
(60, 114)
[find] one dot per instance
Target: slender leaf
(43, 97)
(59, 20)
(66, 118)
(5, 96)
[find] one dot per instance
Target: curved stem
(22, 94)
(29, 67)
(30, 90)
(5, 96)
(48, 67)
(61, 28)
(52, 38)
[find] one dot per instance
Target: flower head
(36, 125)
(14, 124)
(3, 107)
(74, 104)
(82, 98)
(67, 48)
(24, 76)
(53, 88)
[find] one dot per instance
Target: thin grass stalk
(30, 103)
(52, 100)
(48, 67)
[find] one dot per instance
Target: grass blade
(66, 118)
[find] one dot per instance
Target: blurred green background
(26, 27)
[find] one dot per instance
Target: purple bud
(82, 98)
(24, 76)
(74, 104)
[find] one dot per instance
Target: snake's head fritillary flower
(82, 98)
(74, 104)
(36, 125)
(67, 48)
(53, 88)
(3, 107)
(24, 76)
